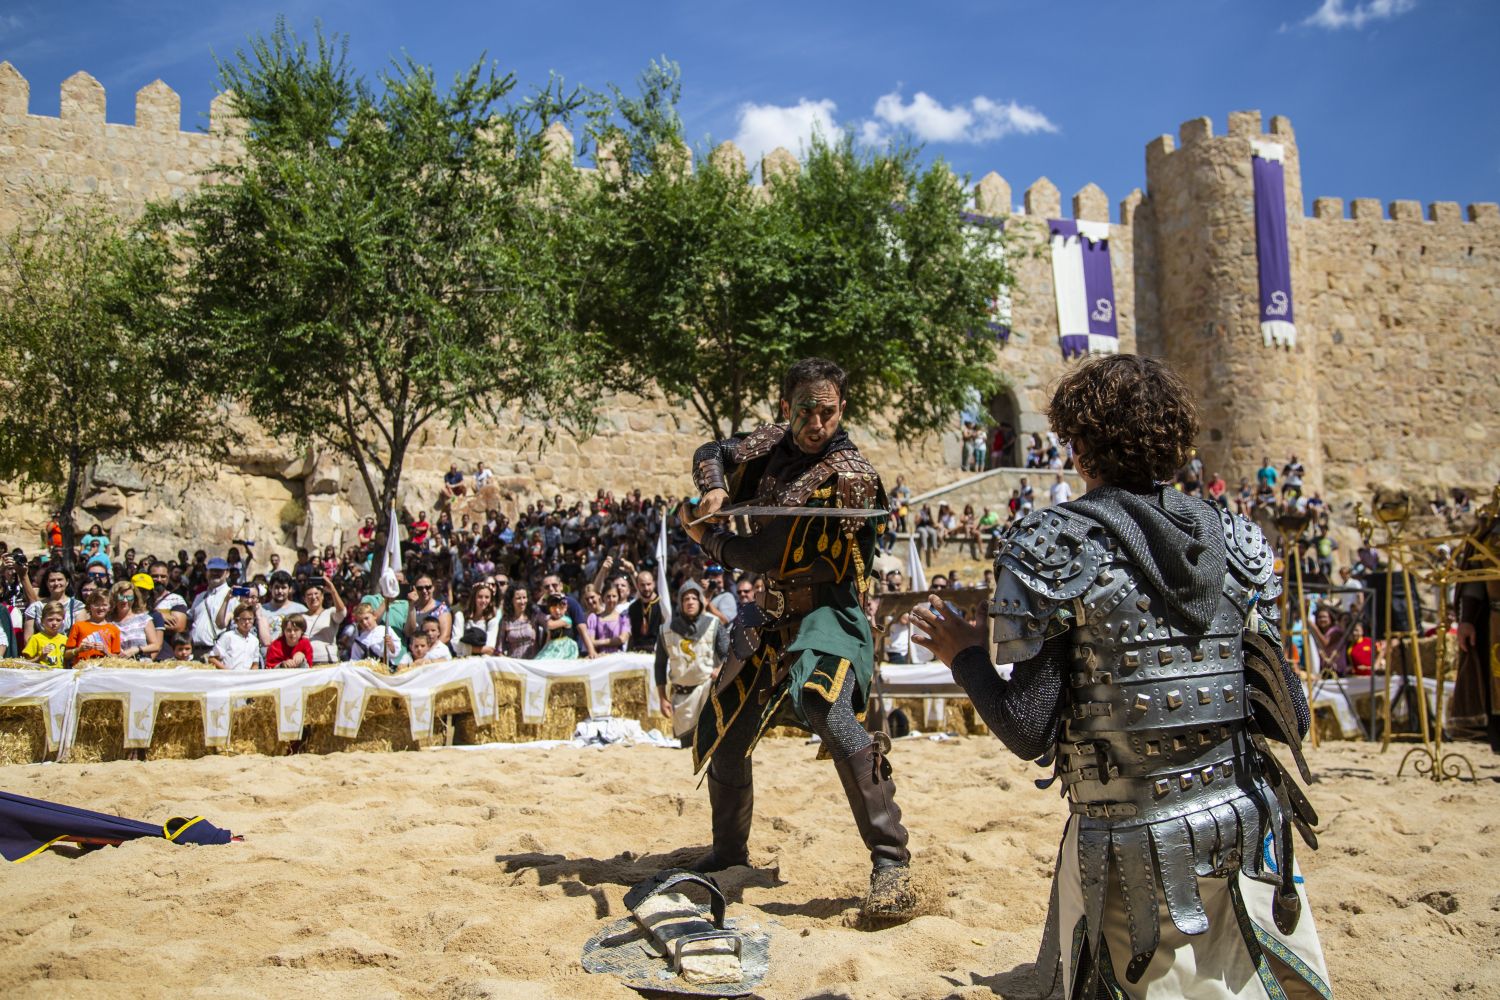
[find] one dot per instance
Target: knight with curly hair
(1143, 629)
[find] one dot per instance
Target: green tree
(708, 287)
(92, 367)
(382, 256)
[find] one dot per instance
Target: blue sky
(1390, 98)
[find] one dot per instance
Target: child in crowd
(94, 637)
(47, 645)
(239, 648)
(291, 648)
(559, 627)
(182, 647)
(437, 649)
(373, 641)
(421, 647)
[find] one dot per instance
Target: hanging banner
(1084, 284)
(1272, 251)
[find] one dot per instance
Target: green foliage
(381, 257)
(702, 285)
(92, 366)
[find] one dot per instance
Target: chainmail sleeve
(1023, 711)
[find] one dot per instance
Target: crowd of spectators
(557, 579)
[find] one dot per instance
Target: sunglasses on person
(423, 588)
(100, 577)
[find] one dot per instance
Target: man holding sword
(804, 656)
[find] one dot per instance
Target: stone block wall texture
(1392, 379)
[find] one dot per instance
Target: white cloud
(1337, 14)
(981, 120)
(763, 127)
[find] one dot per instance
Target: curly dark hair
(1133, 419)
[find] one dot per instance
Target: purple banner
(1084, 283)
(1272, 250)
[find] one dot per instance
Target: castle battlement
(1441, 213)
(158, 108)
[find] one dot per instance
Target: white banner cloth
(59, 693)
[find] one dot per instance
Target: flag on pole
(661, 572)
(390, 562)
(916, 578)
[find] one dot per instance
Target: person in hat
(207, 606)
(721, 601)
(689, 653)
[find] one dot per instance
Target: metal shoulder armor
(1252, 581)
(1046, 560)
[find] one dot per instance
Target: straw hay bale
(23, 734)
(178, 733)
(507, 725)
(567, 705)
(101, 732)
(385, 727)
(454, 701)
(252, 728)
(632, 698)
(18, 664)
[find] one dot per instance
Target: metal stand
(1442, 561)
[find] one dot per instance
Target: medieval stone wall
(1391, 379)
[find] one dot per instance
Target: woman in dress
(479, 620)
(610, 629)
(140, 639)
(518, 633)
(325, 616)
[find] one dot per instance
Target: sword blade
(755, 510)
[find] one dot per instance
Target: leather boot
(866, 776)
(732, 806)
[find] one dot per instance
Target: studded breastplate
(1161, 750)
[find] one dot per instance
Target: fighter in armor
(806, 656)
(1143, 629)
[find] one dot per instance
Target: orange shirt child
(82, 630)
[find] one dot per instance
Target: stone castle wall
(1388, 382)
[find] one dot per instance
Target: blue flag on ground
(30, 826)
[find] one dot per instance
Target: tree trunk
(69, 501)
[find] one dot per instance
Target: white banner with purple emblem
(1085, 287)
(1272, 250)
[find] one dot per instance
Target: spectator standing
(519, 638)
(426, 604)
(281, 604)
(139, 637)
(608, 625)
(477, 626)
(168, 605)
(552, 587)
(47, 645)
(55, 585)
(1060, 491)
(208, 607)
(721, 602)
(373, 641)
(291, 648)
(1266, 475)
(1028, 496)
(323, 618)
(96, 635)
(559, 628)
(645, 614)
(1291, 486)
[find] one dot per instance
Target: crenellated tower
(1256, 400)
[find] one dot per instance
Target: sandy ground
(451, 874)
